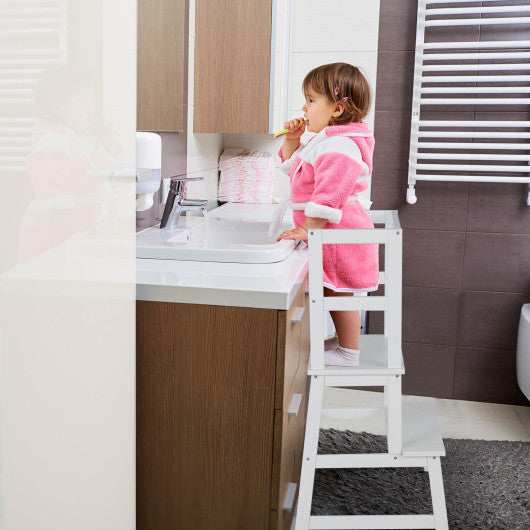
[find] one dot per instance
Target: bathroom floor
(457, 419)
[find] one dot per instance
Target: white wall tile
(335, 25)
(191, 71)
(203, 151)
(205, 189)
(259, 142)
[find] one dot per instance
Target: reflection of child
(70, 142)
(324, 176)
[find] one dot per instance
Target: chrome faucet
(176, 204)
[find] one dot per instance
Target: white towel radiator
(473, 76)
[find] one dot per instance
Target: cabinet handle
(294, 405)
(298, 314)
(288, 503)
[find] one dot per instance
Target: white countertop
(269, 286)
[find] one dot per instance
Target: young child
(326, 175)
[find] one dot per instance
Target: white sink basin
(213, 239)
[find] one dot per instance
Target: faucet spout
(176, 204)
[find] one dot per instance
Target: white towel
(246, 176)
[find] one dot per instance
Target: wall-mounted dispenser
(148, 168)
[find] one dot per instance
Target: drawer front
(288, 448)
(288, 348)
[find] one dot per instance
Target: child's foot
(329, 344)
(340, 356)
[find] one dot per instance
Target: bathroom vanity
(222, 352)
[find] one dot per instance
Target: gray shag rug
(487, 483)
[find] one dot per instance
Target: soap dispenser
(148, 168)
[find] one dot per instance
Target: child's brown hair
(338, 81)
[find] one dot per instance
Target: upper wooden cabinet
(161, 66)
(233, 74)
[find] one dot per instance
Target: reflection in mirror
(67, 264)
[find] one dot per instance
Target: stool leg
(437, 493)
(312, 429)
(394, 414)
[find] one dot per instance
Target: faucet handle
(178, 178)
(178, 183)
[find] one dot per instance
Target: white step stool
(413, 436)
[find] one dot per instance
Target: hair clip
(336, 90)
(344, 99)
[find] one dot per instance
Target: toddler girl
(326, 176)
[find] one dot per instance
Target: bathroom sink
(213, 239)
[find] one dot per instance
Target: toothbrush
(285, 131)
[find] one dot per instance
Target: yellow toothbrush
(285, 131)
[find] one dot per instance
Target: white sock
(339, 356)
(331, 343)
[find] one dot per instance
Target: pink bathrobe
(325, 177)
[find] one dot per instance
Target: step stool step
(421, 433)
(373, 360)
(377, 522)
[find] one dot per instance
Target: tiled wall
(347, 33)
(466, 262)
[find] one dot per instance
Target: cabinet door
(205, 416)
(160, 76)
(232, 66)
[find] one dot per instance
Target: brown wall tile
(440, 206)
(497, 262)
(452, 33)
(506, 31)
(432, 258)
(395, 73)
(430, 316)
(489, 320)
(429, 370)
(487, 375)
(392, 138)
(397, 25)
(498, 207)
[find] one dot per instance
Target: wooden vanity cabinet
(160, 65)
(232, 66)
(216, 445)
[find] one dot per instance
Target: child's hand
(297, 127)
(295, 233)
